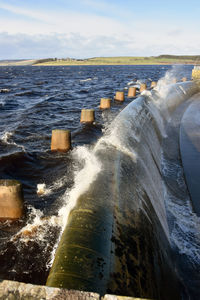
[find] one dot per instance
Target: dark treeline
(44, 60)
(167, 56)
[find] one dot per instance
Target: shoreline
(111, 64)
(106, 61)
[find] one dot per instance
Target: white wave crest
(87, 79)
(6, 136)
(6, 139)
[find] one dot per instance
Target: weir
(190, 149)
(117, 238)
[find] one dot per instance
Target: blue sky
(87, 28)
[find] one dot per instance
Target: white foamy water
(85, 80)
(4, 90)
(114, 139)
(6, 138)
(42, 190)
(2, 102)
(83, 178)
(186, 232)
(31, 229)
(185, 224)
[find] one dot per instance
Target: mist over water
(40, 99)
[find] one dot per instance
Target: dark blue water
(44, 98)
(33, 101)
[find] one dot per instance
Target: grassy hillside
(120, 60)
(125, 60)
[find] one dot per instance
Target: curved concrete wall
(116, 239)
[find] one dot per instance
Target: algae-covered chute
(116, 239)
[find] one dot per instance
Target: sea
(34, 100)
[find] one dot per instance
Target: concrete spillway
(190, 150)
(117, 238)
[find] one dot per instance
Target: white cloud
(15, 46)
(38, 22)
(22, 11)
(34, 33)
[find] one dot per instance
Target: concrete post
(60, 140)
(143, 87)
(105, 103)
(87, 116)
(11, 199)
(153, 84)
(131, 92)
(119, 96)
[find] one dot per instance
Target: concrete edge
(13, 290)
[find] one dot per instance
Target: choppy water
(35, 100)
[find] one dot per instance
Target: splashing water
(83, 178)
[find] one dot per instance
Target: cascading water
(122, 234)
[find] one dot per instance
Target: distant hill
(126, 60)
(179, 57)
(17, 62)
(25, 62)
(164, 59)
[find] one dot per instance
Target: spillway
(120, 236)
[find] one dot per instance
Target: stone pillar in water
(60, 140)
(153, 84)
(196, 72)
(87, 116)
(143, 87)
(105, 103)
(11, 199)
(131, 92)
(119, 96)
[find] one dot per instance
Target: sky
(32, 29)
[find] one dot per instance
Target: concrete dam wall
(119, 235)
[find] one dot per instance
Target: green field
(124, 60)
(120, 60)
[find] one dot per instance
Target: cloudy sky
(88, 28)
